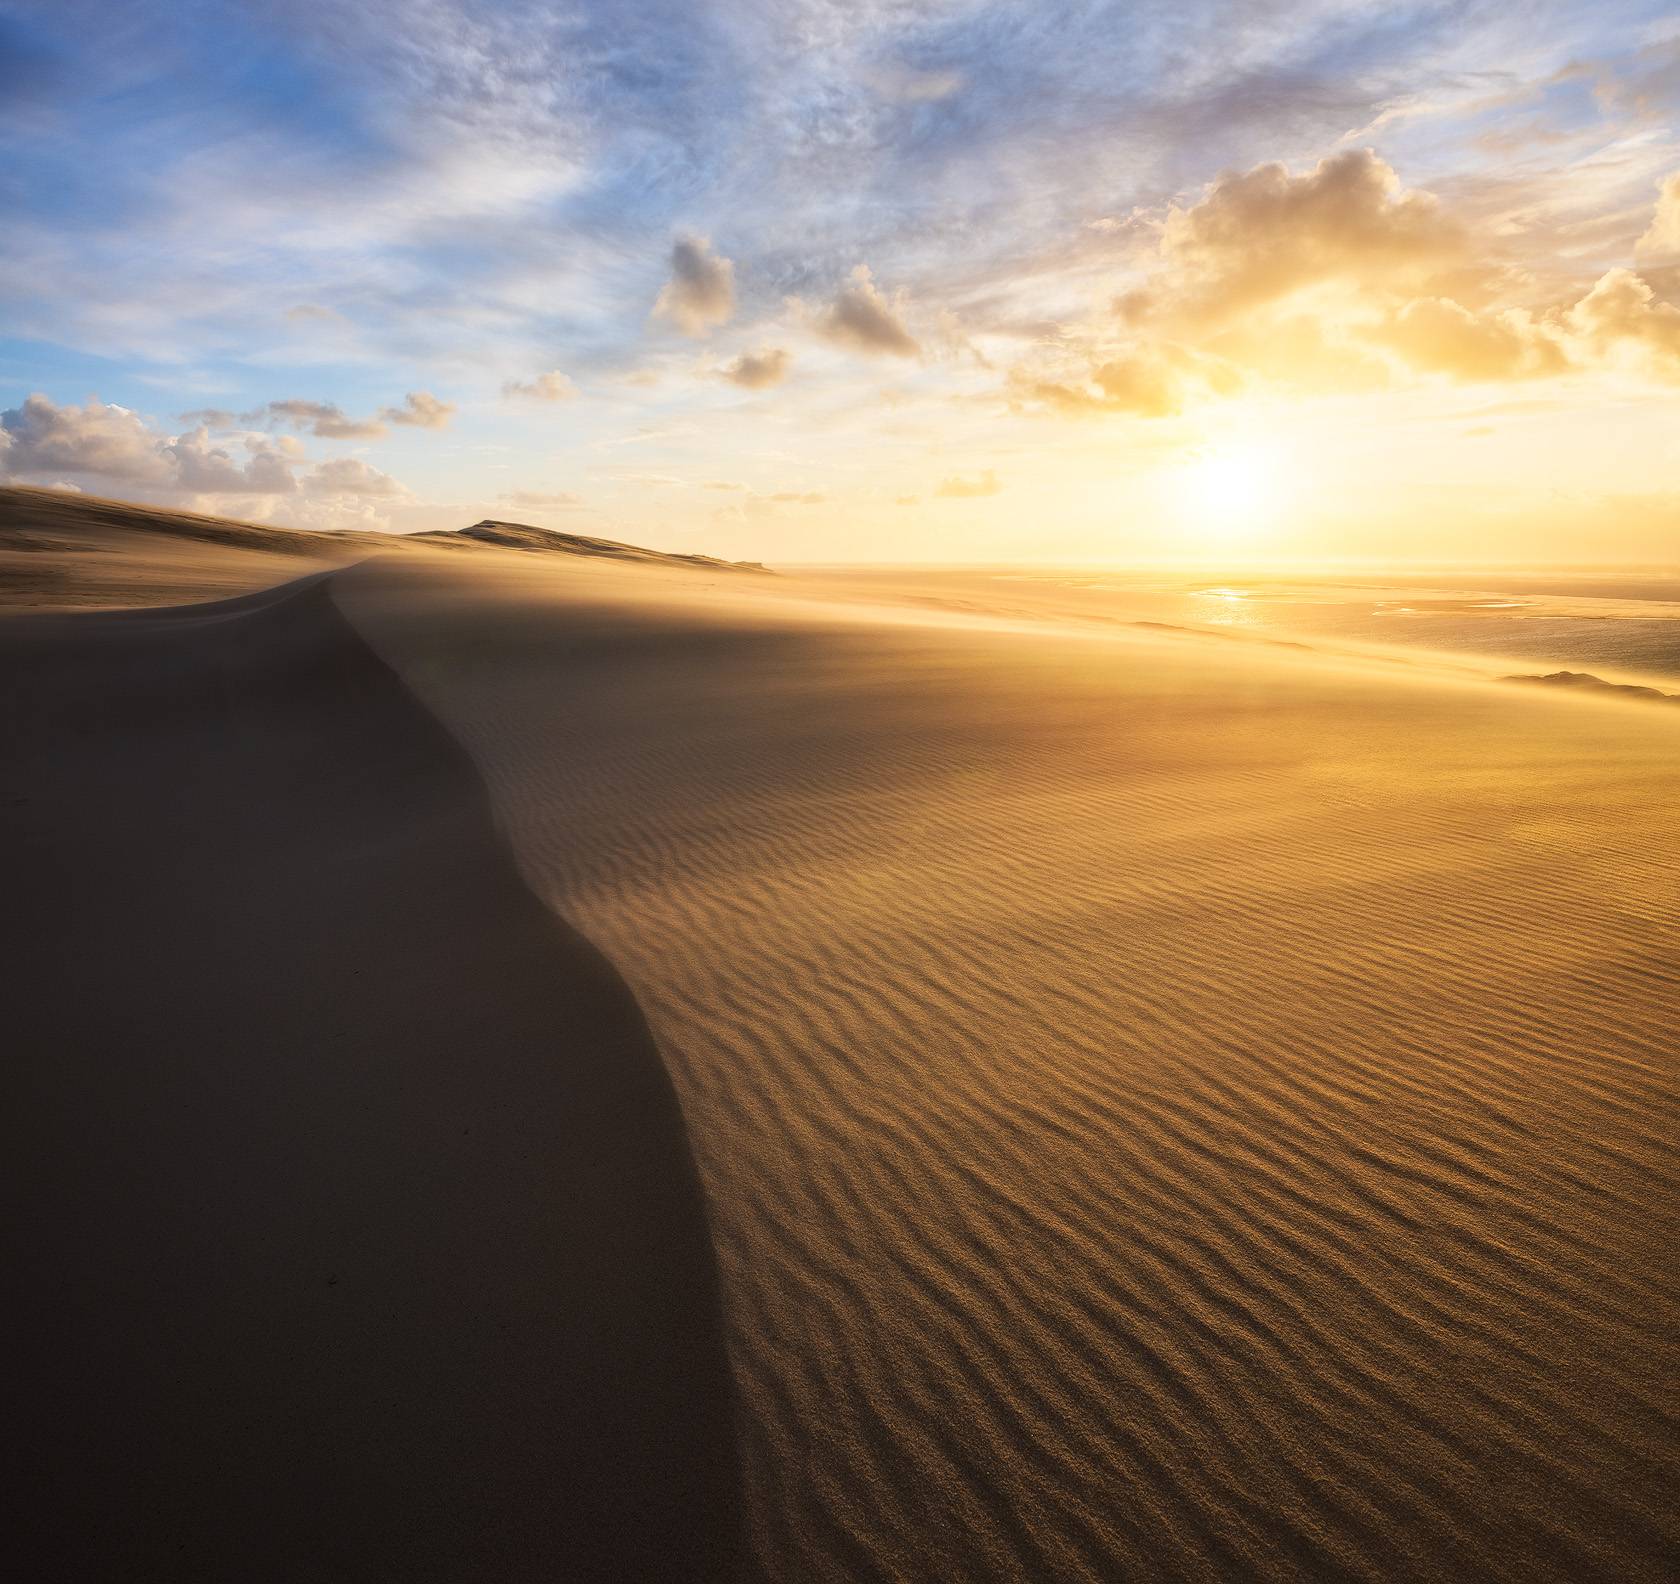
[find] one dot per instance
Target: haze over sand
(1166, 1107)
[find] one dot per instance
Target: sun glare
(1229, 490)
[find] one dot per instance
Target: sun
(1229, 490)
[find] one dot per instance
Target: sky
(858, 280)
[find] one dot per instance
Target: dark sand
(351, 1229)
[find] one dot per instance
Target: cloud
(550, 387)
(325, 420)
(1623, 315)
(1439, 335)
(539, 498)
(214, 417)
(1663, 237)
(758, 370)
(700, 294)
(861, 317)
(1146, 380)
(906, 85)
(1140, 383)
(906, 500)
(106, 441)
(110, 442)
(328, 421)
(421, 410)
(351, 476)
(1261, 235)
(958, 488)
(305, 313)
(1336, 280)
(796, 498)
(207, 469)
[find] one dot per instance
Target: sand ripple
(1163, 1115)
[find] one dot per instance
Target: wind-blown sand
(1166, 1108)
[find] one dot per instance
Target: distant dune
(1164, 1109)
(1586, 682)
(59, 548)
(517, 536)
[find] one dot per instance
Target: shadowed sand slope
(1169, 1110)
(351, 1229)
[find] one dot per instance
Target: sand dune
(63, 550)
(1584, 681)
(351, 1230)
(520, 536)
(1167, 1110)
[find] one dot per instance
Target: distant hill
(1586, 682)
(521, 536)
(59, 548)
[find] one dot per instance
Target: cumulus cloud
(325, 420)
(1663, 237)
(1439, 335)
(106, 441)
(956, 487)
(1623, 315)
(862, 317)
(350, 476)
(758, 370)
(1339, 279)
(208, 469)
(700, 294)
(421, 410)
(1263, 234)
(550, 387)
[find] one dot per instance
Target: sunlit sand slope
(350, 1228)
(1165, 1114)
